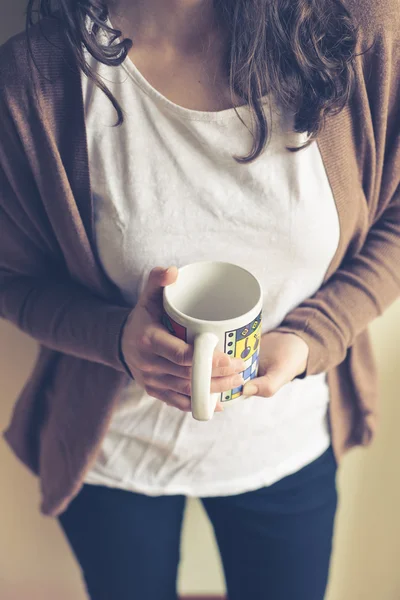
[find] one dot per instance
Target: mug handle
(203, 402)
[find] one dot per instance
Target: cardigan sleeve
(37, 296)
(367, 283)
(358, 292)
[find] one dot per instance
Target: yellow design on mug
(243, 343)
(240, 343)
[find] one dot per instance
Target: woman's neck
(184, 26)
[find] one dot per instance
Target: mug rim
(245, 316)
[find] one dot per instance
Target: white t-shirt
(166, 190)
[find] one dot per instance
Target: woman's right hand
(162, 363)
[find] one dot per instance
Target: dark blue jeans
(275, 543)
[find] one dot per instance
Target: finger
(158, 365)
(267, 385)
(220, 359)
(184, 386)
(168, 346)
(236, 365)
(175, 399)
(170, 397)
(222, 384)
(151, 296)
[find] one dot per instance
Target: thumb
(157, 280)
(268, 384)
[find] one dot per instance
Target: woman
(139, 133)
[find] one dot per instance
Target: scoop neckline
(187, 113)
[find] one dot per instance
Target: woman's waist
(137, 413)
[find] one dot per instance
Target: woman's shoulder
(22, 60)
(376, 17)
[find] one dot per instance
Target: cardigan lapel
(65, 142)
(337, 147)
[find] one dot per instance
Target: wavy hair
(301, 51)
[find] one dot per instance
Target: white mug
(215, 305)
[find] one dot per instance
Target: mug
(215, 305)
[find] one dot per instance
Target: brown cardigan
(53, 287)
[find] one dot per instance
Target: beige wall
(35, 562)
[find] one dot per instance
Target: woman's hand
(162, 363)
(283, 356)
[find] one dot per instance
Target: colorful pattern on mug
(243, 343)
(239, 343)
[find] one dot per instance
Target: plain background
(35, 561)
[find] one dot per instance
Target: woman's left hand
(283, 356)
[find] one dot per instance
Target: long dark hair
(301, 51)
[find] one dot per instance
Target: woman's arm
(36, 292)
(365, 285)
(37, 296)
(358, 292)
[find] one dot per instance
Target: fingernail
(238, 380)
(250, 390)
(219, 408)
